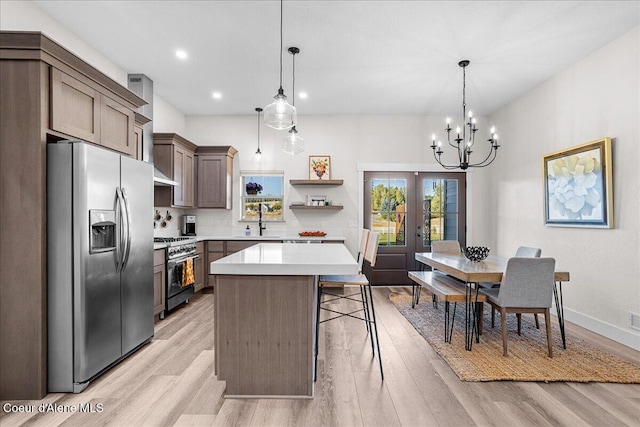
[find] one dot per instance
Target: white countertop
(277, 238)
(284, 237)
(287, 259)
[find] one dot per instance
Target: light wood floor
(170, 382)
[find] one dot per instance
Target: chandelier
(465, 144)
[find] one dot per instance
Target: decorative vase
(252, 192)
(320, 173)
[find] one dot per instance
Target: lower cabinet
(159, 282)
(198, 267)
(215, 250)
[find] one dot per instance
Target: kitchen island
(265, 311)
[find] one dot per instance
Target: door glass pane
(440, 210)
(388, 209)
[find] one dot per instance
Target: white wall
(349, 140)
(596, 97)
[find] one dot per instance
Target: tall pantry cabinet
(46, 94)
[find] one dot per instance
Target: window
(388, 210)
(262, 189)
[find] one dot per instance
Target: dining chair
(526, 287)
(521, 252)
(451, 247)
(366, 313)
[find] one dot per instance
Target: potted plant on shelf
(253, 188)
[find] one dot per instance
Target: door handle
(125, 255)
(120, 246)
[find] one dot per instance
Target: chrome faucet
(260, 226)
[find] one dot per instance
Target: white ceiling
(357, 57)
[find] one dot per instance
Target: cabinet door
(198, 267)
(212, 182)
(188, 179)
(212, 256)
(178, 175)
(116, 127)
(75, 107)
(137, 142)
(159, 281)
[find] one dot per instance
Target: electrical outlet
(353, 224)
(323, 224)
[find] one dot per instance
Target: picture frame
(578, 186)
(319, 167)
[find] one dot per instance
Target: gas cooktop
(175, 241)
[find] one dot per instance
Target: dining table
(489, 270)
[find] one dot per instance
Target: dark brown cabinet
(174, 156)
(75, 107)
(214, 175)
(116, 127)
(80, 111)
(159, 282)
(215, 250)
(198, 267)
(47, 93)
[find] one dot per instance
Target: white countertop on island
(287, 259)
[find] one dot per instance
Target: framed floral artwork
(319, 167)
(578, 187)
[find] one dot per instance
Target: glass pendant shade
(280, 114)
(292, 143)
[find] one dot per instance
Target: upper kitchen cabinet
(214, 176)
(174, 156)
(46, 94)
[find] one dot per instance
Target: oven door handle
(181, 260)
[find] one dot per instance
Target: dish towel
(188, 277)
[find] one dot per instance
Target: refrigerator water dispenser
(103, 230)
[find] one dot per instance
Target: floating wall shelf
(330, 207)
(316, 182)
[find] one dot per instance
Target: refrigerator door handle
(122, 241)
(127, 252)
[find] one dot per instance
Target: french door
(410, 210)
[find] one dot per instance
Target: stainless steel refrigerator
(99, 261)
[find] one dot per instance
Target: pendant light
(293, 143)
(258, 152)
(280, 114)
(464, 144)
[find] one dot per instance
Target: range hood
(161, 180)
(142, 86)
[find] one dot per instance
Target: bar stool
(368, 252)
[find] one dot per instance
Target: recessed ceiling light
(181, 54)
(216, 95)
(302, 95)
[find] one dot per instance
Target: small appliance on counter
(188, 225)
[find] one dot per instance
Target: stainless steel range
(179, 251)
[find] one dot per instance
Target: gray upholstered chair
(451, 247)
(526, 287)
(522, 252)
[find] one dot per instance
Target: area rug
(527, 359)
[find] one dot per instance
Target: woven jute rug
(527, 359)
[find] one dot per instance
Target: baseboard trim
(628, 338)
